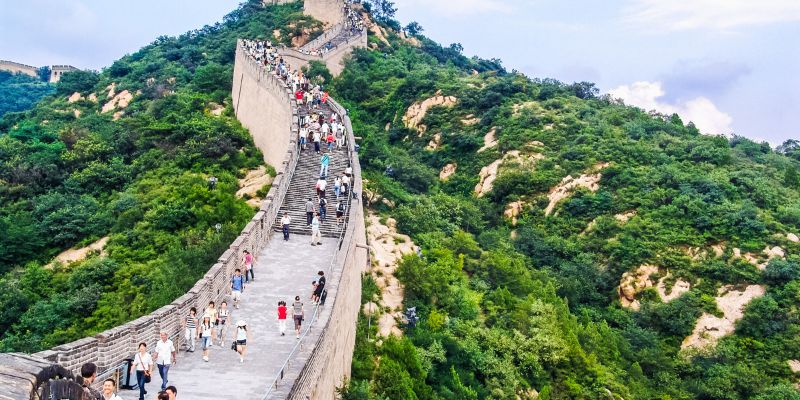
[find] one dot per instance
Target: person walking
(339, 212)
(282, 311)
(206, 333)
(317, 138)
(211, 312)
(330, 140)
(320, 186)
(323, 211)
(345, 184)
(165, 357)
(110, 389)
(222, 322)
(337, 186)
(324, 163)
(285, 222)
(190, 329)
(242, 336)
(339, 136)
(319, 287)
(297, 315)
(237, 285)
(309, 212)
(303, 137)
(248, 267)
(316, 236)
(143, 365)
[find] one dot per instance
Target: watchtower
(57, 70)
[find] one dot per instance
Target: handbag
(147, 377)
(233, 345)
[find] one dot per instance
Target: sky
(730, 66)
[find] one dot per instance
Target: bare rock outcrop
(447, 171)
(74, 97)
(731, 301)
(388, 248)
(488, 174)
(253, 181)
(489, 140)
(513, 210)
(633, 282)
(70, 256)
(119, 101)
(588, 180)
(470, 120)
(417, 111)
(678, 288)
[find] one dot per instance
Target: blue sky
(727, 65)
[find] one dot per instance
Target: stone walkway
(282, 271)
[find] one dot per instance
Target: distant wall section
(327, 11)
(14, 67)
(262, 105)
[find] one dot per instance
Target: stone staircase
(301, 188)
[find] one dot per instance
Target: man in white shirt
(165, 357)
(285, 221)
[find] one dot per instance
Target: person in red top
(324, 97)
(298, 95)
(282, 317)
(330, 140)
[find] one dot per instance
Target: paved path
(282, 271)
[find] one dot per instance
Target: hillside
(19, 92)
(573, 247)
(114, 167)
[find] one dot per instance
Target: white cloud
(458, 8)
(711, 14)
(700, 110)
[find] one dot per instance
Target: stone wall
(14, 67)
(327, 11)
(56, 71)
(328, 364)
(332, 59)
(263, 105)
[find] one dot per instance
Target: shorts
(206, 342)
(298, 321)
(318, 291)
(339, 214)
(236, 294)
(241, 342)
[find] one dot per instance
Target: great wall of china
(266, 106)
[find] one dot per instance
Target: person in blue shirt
(237, 285)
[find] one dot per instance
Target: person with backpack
(310, 210)
(282, 311)
(317, 138)
(345, 184)
(330, 140)
(298, 314)
(340, 208)
(237, 285)
(323, 212)
(324, 163)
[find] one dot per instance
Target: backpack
(340, 208)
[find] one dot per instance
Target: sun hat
(241, 322)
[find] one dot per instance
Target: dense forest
(517, 289)
(517, 285)
(18, 92)
(125, 154)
